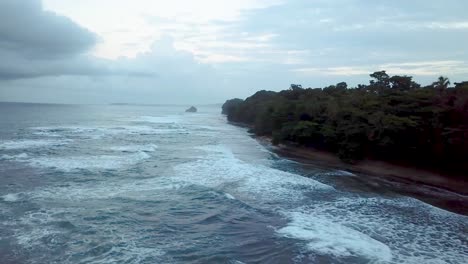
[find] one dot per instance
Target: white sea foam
(248, 149)
(344, 173)
(378, 229)
(164, 131)
(339, 173)
(139, 130)
(329, 238)
(217, 151)
(145, 189)
(19, 157)
(35, 236)
(30, 143)
(210, 129)
(103, 162)
(259, 181)
(11, 197)
(136, 148)
(127, 251)
(101, 131)
(172, 119)
(127, 130)
(38, 231)
(229, 196)
(47, 134)
(60, 130)
(399, 230)
(374, 228)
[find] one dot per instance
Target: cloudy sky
(207, 51)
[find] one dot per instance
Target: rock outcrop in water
(192, 109)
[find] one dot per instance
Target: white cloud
(428, 68)
(418, 68)
(127, 28)
(210, 50)
(341, 71)
(448, 25)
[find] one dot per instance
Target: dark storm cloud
(14, 66)
(34, 43)
(28, 30)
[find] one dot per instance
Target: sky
(208, 51)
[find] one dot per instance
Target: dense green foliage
(391, 118)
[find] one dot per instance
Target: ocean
(153, 184)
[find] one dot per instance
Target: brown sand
(373, 168)
(378, 176)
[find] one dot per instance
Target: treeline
(392, 118)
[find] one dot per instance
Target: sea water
(153, 184)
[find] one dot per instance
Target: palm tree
(441, 84)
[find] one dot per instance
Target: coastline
(416, 182)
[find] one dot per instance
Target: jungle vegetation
(392, 118)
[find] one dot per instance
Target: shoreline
(371, 167)
(418, 183)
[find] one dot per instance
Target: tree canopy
(391, 118)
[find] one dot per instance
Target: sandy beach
(447, 192)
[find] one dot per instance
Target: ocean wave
(101, 132)
(103, 162)
(329, 238)
(338, 173)
(135, 148)
(229, 196)
(31, 143)
(143, 130)
(101, 240)
(344, 226)
(382, 230)
(46, 134)
(11, 197)
(151, 189)
(216, 150)
(172, 119)
(258, 181)
(17, 157)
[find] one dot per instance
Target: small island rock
(192, 109)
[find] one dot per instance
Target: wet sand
(449, 193)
